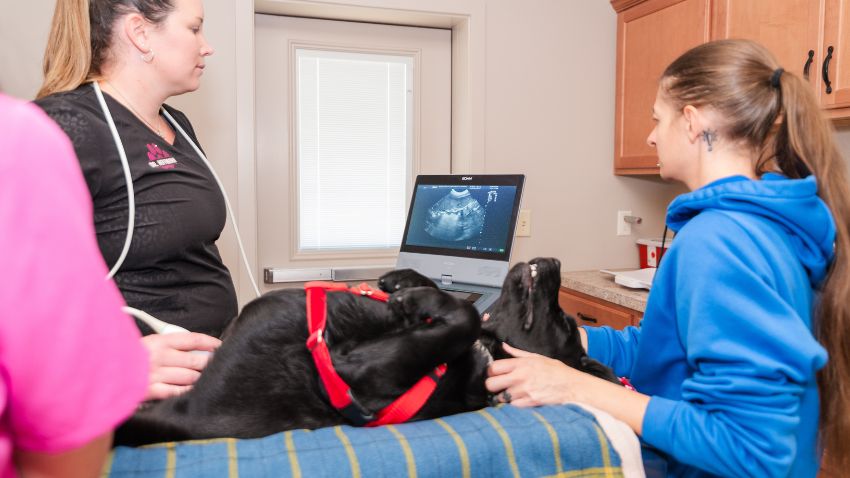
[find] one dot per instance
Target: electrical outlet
(523, 225)
(623, 228)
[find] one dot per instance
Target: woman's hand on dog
(173, 365)
(530, 380)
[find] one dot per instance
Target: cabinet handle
(586, 318)
(826, 70)
(808, 64)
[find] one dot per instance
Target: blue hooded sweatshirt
(725, 349)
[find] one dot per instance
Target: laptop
(460, 231)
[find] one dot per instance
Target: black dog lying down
(263, 380)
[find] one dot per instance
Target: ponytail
(67, 58)
(805, 137)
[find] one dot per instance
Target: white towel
(623, 439)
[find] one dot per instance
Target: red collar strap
(338, 392)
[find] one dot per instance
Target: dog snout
(547, 262)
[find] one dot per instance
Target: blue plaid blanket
(558, 441)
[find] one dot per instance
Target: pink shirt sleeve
(72, 366)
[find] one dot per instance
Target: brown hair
(739, 79)
(81, 35)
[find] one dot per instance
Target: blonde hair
(67, 58)
(740, 79)
(81, 35)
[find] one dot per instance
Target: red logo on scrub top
(157, 158)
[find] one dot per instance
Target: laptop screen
(465, 216)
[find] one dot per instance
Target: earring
(147, 57)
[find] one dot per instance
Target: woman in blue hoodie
(730, 361)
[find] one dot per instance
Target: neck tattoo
(710, 136)
(156, 129)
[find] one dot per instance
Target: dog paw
(397, 280)
(596, 368)
(415, 303)
(402, 302)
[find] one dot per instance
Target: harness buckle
(356, 413)
(315, 339)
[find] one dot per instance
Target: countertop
(602, 286)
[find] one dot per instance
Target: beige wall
(212, 108)
(541, 98)
(550, 114)
(23, 35)
(843, 135)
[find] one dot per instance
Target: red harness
(338, 392)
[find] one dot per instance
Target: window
(354, 148)
(347, 114)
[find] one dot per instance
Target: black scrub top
(173, 269)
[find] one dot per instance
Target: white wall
(542, 92)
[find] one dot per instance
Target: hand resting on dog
(529, 380)
(173, 366)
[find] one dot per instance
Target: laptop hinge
(446, 279)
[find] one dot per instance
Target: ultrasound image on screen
(473, 218)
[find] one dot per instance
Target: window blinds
(354, 127)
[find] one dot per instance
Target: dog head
(527, 314)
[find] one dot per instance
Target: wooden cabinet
(588, 310)
(836, 21)
(652, 33)
(788, 28)
(798, 33)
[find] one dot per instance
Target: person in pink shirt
(71, 363)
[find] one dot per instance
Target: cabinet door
(836, 37)
(650, 35)
(788, 28)
(591, 311)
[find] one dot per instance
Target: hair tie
(774, 80)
